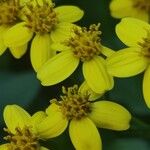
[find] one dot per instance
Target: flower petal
(110, 115)
(84, 88)
(38, 117)
(107, 51)
(18, 52)
(126, 62)
(146, 85)
(43, 148)
(40, 50)
(17, 35)
(62, 32)
(3, 147)
(69, 13)
(3, 47)
(58, 68)
(84, 135)
(59, 47)
(131, 31)
(15, 116)
(125, 8)
(53, 125)
(96, 75)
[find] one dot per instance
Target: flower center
(86, 43)
(9, 10)
(142, 5)
(41, 19)
(145, 45)
(23, 139)
(74, 105)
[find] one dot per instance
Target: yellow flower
(83, 115)
(47, 23)
(10, 11)
(83, 46)
(22, 129)
(135, 59)
(130, 8)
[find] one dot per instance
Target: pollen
(9, 10)
(86, 42)
(23, 139)
(41, 19)
(73, 104)
(142, 5)
(145, 45)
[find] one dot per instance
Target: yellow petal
(131, 31)
(53, 125)
(110, 115)
(146, 86)
(3, 147)
(18, 52)
(43, 148)
(84, 88)
(58, 68)
(84, 135)
(107, 51)
(59, 47)
(3, 47)
(38, 117)
(62, 32)
(69, 13)
(127, 62)
(40, 50)
(125, 8)
(15, 116)
(17, 35)
(96, 75)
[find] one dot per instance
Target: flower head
(22, 129)
(10, 11)
(84, 46)
(76, 109)
(130, 8)
(48, 24)
(135, 59)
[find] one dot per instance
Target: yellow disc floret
(23, 139)
(74, 105)
(86, 42)
(145, 45)
(9, 11)
(142, 5)
(41, 18)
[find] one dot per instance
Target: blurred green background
(18, 84)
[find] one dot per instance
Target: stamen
(86, 42)
(41, 19)
(23, 139)
(145, 45)
(142, 5)
(9, 11)
(74, 105)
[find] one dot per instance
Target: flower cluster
(58, 47)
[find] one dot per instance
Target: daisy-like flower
(83, 115)
(130, 8)
(9, 16)
(84, 46)
(47, 24)
(22, 129)
(135, 59)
